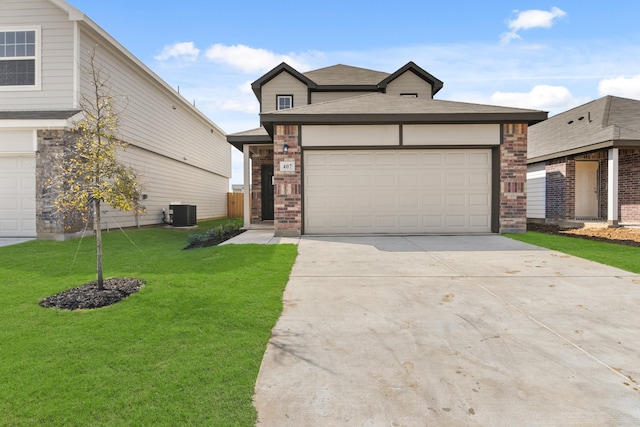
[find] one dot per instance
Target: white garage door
(397, 191)
(17, 196)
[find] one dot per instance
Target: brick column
(288, 184)
(513, 178)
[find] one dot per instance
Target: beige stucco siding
(154, 118)
(283, 84)
(471, 134)
(350, 135)
(408, 82)
(168, 181)
(317, 97)
(56, 58)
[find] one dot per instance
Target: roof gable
(282, 68)
(436, 84)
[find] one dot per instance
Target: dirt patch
(621, 235)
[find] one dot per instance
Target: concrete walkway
(7, 241)
(455, 331)
(260, 236)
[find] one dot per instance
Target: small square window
(284, 102)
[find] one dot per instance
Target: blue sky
(543, 55)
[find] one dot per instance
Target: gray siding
(283, 84)
(56, 65)
(152, 117)
(168, 181)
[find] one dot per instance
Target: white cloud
(246, 87)
(184, 50)
(245, 106)
(628, 87)
(254, 60)
(541, 97)
(531, 19)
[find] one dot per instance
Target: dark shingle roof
(251, 136)
(382, 107)
(607, 121)
(38, 115)
(345, 75)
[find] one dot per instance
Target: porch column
(612, 183)
(246, 150)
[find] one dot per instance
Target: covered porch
(256, 146)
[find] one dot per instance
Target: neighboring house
(181, 155)
(584, 164)
(346, 150)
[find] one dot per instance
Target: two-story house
(346, 150)
(45, 48)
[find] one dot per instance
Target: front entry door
(267, 192)
(586, 189)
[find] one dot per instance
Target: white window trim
(290, 97)
(38, 77)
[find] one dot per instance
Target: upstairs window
(284, 101)
(409, 95)
(18, 58)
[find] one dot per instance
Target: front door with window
(586, 190)
(267, 192)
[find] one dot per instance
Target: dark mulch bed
(215, 241)
(88, 296)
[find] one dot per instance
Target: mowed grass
(616, 255)
(185, 350)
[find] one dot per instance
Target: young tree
(91, 173)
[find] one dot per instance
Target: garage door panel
(409, 221)
(362, 221)
(17, 196)
(363, 159)
(385, 180)
(362, 180)
(399, 191)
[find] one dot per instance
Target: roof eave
(239, 141)
(256, 86)
(409, 118)
(617, 143)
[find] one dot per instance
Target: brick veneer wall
(261, 156)
(629, 185)
(52, 151)
(513, 178)
(556, 178)
(561, 188)
(288, 185)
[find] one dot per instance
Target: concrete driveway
(435, 331)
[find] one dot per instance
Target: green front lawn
(613, 254)
(185, 350)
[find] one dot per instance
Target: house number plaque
(287, 166)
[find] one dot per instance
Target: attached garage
(17, 195)
(397, 191)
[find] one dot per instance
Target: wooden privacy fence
(235, 205)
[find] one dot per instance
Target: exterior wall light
(285, 149)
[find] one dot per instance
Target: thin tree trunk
(98, 229)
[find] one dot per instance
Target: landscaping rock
(88, 296)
